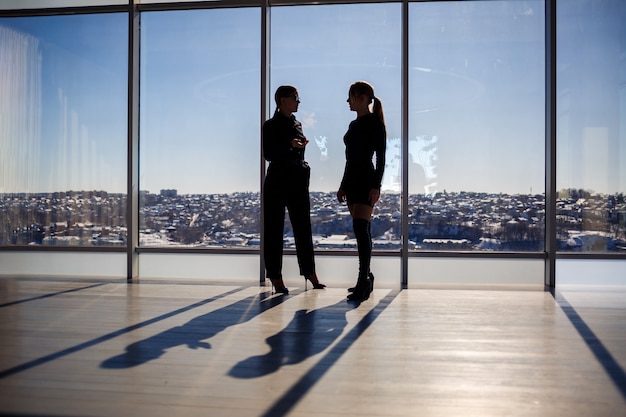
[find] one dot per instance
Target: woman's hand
(341, 196)
(374, 196)
(298, 143)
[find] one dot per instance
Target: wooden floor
(90, 348)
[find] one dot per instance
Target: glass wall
(322, 50)
(591, 138)
(200, 128)
(476, 126)
(63, 130)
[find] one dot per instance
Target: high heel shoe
(278, 286)
(317, 285)
(370, 276)
(362, 291)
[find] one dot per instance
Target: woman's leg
(361, 211)
(274, 223)
(299, 207)
(361, 215)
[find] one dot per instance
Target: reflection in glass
(322, 50)
(591, 126)
(199, 128)
(63, 130)
(476, 126)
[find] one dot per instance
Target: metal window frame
(134, 9)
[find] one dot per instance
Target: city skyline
(446, 221)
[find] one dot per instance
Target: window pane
(591, 135)
(322, 50)
(63, 130)
(476, 126)
(200, 128)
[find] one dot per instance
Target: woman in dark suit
(287, 186)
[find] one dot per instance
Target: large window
(199, 128)
(591, 137)
(476, 125)
(63, 122)
(470, 126)
(322, 50)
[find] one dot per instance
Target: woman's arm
(380, 150)
(276, 146)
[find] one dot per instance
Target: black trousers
(287, 187)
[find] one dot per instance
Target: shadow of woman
(308, 333)
(194, 332)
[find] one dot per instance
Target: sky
(476, 96)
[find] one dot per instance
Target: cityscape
(455, 221)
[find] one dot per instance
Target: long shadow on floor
(285, 404)
(602, 354)
(109, 336)
(194, 333)
(4, 291)
(308, 333)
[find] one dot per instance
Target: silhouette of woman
(360, 186)
(287, 186)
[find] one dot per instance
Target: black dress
(366, 137)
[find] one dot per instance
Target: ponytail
(365, 88)
(378, 109)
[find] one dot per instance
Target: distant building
(336, 242)
(169, 193)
